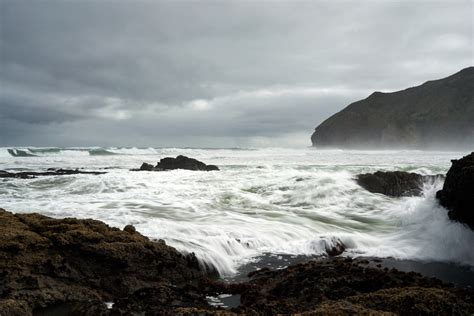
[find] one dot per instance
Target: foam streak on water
(285, 201)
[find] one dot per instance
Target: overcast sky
(211, 73)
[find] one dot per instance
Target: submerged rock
(332, 246)
(49, 172)
(335, 249)
(180, 162)
(394, 183)
(457, 194)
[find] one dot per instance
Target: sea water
(289, 202)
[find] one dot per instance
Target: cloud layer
(210, 73)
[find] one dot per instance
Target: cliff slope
(437, 114)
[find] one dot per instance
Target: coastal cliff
(437, 114)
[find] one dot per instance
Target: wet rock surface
(183, 162)
(457, 194)
(333, 285)
(394, 183)
(46, 261)
(72, 267)
(180, 162)
(49, 172)
(333, 246)
(146, 167)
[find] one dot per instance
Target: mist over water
(280, 201)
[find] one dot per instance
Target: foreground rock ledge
(344, 286)
(45, 261)
(457, 194)
(80, 264)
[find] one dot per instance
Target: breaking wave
(55, 151)
(101, 151)
(20, 153)
(279, 201)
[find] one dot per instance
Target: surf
(270, 201)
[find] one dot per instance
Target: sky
(211, 73)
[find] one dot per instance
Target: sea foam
(273, 200)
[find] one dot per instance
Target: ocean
(278, 202)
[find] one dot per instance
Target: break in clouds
(211, 73)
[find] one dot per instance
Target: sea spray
(279, 201)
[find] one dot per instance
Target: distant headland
(439, 114)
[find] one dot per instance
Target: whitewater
(263, 201)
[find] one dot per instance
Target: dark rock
(343, 308)
(413, 301)
(14, 307)
(259, 272)
(71, 267)
(180, 162)
(159, 299)
(437, 114)
(394, 183)
(324, 286)
(457, 194)
(49, 172)
(96, 308)
(130, 229)
(334, 246)
(212, 168)
(146, 166)
(183, 162)
(46, 261)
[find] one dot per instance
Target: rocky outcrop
(437, 114)
(394, 183)
(146, 167)
(457, 194)
(49, 172)
(72, 267)
(329, 286)
(46, 261)
(180, 162)
(183, 162)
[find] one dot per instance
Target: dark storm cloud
(211, 73)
